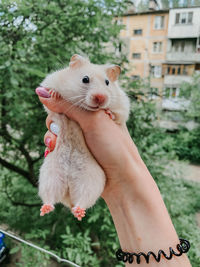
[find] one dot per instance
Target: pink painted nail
(41, 91)
(48, 142)
(46, 153)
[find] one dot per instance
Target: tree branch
(16, 203)
(40, 157)
(31, 175)
(18, 170)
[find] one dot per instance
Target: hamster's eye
(107, 82)
(85, 79)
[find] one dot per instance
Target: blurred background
(157, 45)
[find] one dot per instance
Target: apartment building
(145, 35)
(182, 55)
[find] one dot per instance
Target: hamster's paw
(78, 212)
(54, 94)
(110, 114)
(45, 209)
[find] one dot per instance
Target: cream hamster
(70, 174)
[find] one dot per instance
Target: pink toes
(54, 94)
(110, 114)
(46, 208)
(78, 212)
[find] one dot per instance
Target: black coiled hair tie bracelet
(183, 247)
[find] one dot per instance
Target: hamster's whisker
(75, 97)
(82, 106)
(76, 104)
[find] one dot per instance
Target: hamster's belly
(72, 157)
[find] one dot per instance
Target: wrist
(131, 181)
(139, 213)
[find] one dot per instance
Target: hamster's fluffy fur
(70, 174)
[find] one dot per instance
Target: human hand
(109, 142)
(131, 194)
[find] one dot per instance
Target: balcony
(183, 31)
(170, 80)
(175, 104)
(183, 57)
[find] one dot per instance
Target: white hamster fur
(69, 174)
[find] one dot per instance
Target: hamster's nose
(99, 99)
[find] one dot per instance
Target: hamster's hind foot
(45, 209)
(78, 212)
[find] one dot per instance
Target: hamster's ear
(76, 61)
(113, 72)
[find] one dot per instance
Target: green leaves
(78, 248)
(14, 250)
(37, 37)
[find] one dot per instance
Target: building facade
(146, 38)
(182, 55)
(164, 46)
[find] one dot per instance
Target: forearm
(141, 218)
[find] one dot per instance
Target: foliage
(186, 143)
(191, 92)
(35, 35)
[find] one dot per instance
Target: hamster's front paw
(110, 114)
(54, 94)
(78, 212)
(45, 209)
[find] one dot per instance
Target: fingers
(50, 140)
(48, 122)
(59, 105)
(51, 135)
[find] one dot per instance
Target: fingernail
(46, 153)
(54, 128)
(48, 142)
(41, 91)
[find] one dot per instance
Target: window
(177, 18)
(182, 46)
(156, 71)
(136, 55)
(120, 47)
(171, 92)
(184, 70)
(174, 92)
(176, 70)
(157, 47)
(198, 45)
(137, 32)
(167, 92)
(176, 47)
(153, 94)
(190, 15)
(135, 77)
(119, 21)
(184, 18)
(159, 22)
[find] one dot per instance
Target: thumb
(59, 105)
